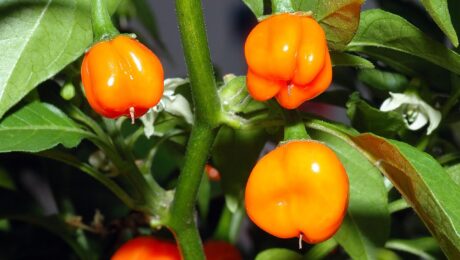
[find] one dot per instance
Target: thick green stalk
(198, 59)
(182, 218)
(207, 118)
(103, 27)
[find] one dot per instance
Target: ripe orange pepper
(298, 189)
(146, 248)
(149, 248)
(220, 250)
(287, 58)
(122, 77)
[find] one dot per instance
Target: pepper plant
(77, 185)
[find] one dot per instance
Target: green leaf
(386, 254)
(424, 185)
(339, 18)
(454, 6)
(383, 31)
(366, 118)
(419, 247)
(278, 253)
(342, 59)
(234, 95)
(5, 180)
(235, 153)
(454, 173)
(256, 6)
(37, 127)
(412, 66)
(321, 250)
(368, 203)
(439, 11)
(38, 39)
(282, 6)
(383, 80)
(413, 12)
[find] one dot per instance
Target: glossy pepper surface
(122, 77)
(288, 58)
(299, 188)
(147, 248)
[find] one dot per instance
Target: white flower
(172, 103)
(416, 112)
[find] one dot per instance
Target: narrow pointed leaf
(37, 127)
(439, 11)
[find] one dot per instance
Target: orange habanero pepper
(287, 58)
(147, 248)
(300, 189)
(122, 77)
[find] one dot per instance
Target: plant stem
(150, 195)
(193, 35)
(295, 127)
(398, 205)
(103, 27)
(183, 210)
(208, 115)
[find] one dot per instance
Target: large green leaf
(383, 31)
(368, 203)
(423, 183)
(454, 173)
(339, 18)
(37, 127)
(439, 11)
(38, 39)
(235, 153)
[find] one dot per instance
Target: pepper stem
(103, 27)
(132, 114)
(294, 128)
(300, 241)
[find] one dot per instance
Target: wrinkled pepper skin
(122, 77)
(288, 58)
(299, 188)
